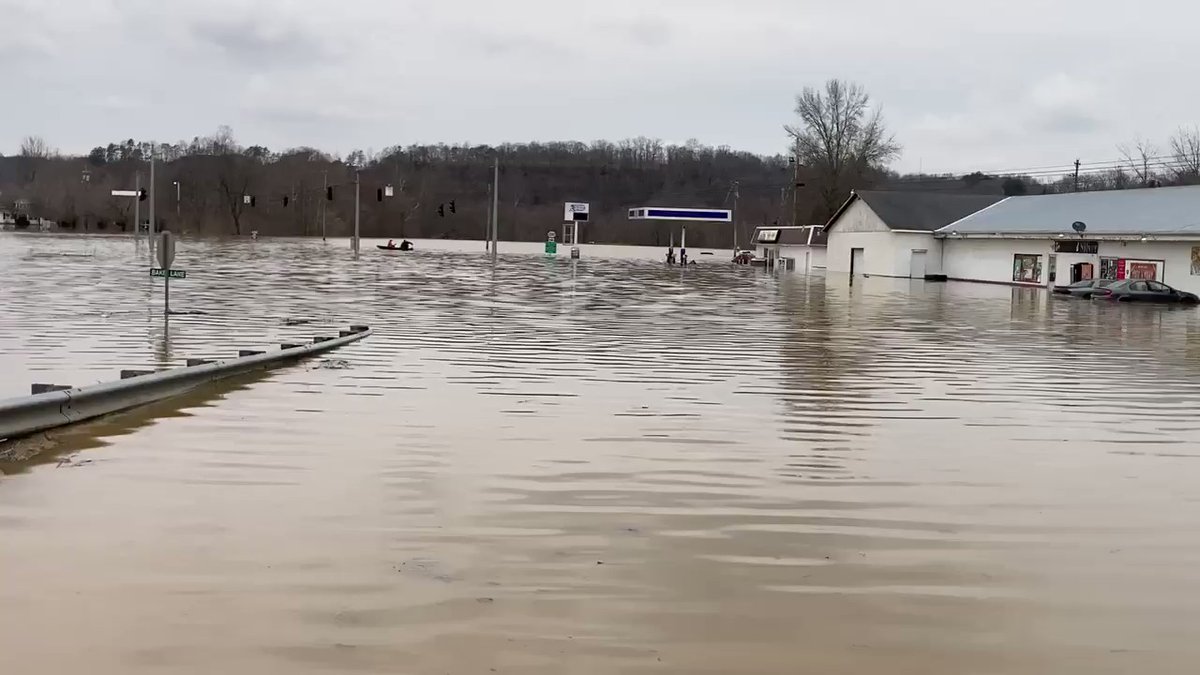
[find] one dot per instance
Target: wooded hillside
(439, 191)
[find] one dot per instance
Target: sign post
(551, 244)
(164, 254)
(575, 213)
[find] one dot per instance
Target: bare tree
(840, 138)
(1139, 158)
(1185, 151)
(35, 147)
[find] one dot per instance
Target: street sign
(125, 193)
(170, 274)
(576, 212)
(164, 253)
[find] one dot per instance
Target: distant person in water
(406, 245)
(391, 244)
(670, 256)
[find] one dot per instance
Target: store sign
(767, 236)
(1076, 246)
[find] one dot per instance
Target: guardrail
(60, 406)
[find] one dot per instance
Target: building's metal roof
(1172, 210)
(924, 211)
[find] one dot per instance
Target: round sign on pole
(165, 251)
(550, 236)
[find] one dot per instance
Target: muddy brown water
(612, 467)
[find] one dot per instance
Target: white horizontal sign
(124, 193)
(575, 211)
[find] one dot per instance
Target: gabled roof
(924, 211)
(1171, 210)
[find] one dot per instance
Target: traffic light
(441, 210)
(379, 194)
(142, 195)
(452, 209)
(253, 201)
(329, 193)
(285, 201)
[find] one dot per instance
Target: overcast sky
(964, 85)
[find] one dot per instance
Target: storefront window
(1027, 269)
(1108, 268)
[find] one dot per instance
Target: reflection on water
(605, 467)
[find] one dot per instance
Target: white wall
(1175, 255)
(816, 254)
(885, 253)
(904, 243)
(992, 259)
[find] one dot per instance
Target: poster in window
(1142, 270)
(1108, 268)
(1196, 261)
(1027, 269)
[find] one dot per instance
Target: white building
(1151, 233)
(792, 247)
(891, 234)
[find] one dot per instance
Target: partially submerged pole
(137, 206)
(152, 181)
(495, 205)
(357, 209)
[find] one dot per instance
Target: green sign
(552, 247)
(174, 274)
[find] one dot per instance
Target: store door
(856, 261)
(1082, 272)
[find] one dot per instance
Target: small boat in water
(405, 245)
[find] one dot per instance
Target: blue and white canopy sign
(680, 213)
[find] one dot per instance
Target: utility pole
(176, 202)
(152, 181)
(324, 201)
(495, 206)
(795, 185)
(487, 227)
(1077, 175)
(357, 210)
(137, 206)
(736, 194)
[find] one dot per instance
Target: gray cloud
(961, 86)
(255, 43)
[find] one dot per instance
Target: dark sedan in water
(1145, 290)
(1084, 289)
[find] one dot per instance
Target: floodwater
(611, 467)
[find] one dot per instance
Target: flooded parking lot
(608, 467)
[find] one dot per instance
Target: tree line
(214, 185)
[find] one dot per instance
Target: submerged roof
(925, 211)
(1171, 210)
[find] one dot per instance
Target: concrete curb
(55, 408)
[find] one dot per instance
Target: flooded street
(613, 467)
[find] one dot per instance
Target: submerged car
(1084, 289)
(1145, 290)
